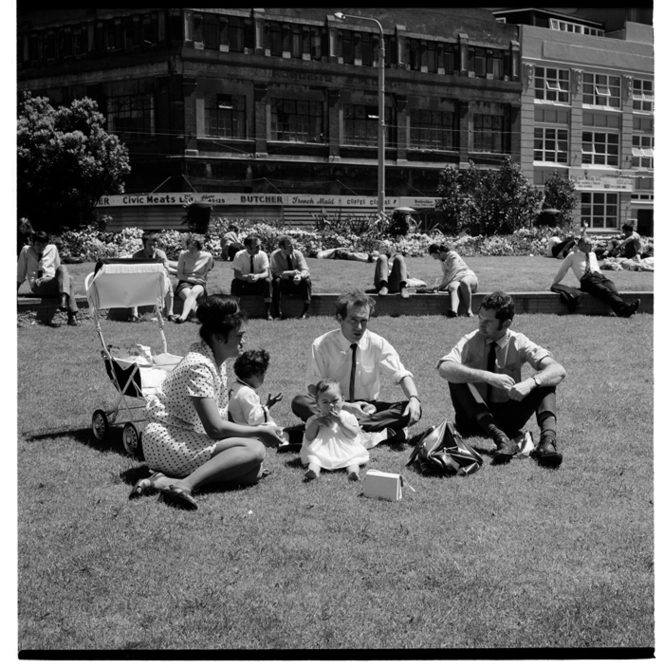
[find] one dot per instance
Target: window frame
(296, 128)
(600, 205)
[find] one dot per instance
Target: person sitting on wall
(230, 243)
(629, 246)
(150, 252)
(583, 263)
(251, 269)
(194, 265)
(24, 235)
(391, 275)
(40, 264)
(290, 276)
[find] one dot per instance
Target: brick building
(266, 105)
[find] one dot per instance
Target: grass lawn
(512, 274)
(511, 557)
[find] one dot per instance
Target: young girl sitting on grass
(332, 437)
(244, 405)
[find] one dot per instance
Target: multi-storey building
(587, 109)
(275, 110)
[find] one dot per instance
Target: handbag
(441, 451)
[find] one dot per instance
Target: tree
(487, 201)
(559, 194)
(66, 162)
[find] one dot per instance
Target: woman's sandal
(171, 317)
(144, 486)
(179, 497)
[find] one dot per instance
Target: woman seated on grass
(193, 267)
(458, 279)
(188, 439)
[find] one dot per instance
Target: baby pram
(135, 372)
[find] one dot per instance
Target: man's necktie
(290, 263)
(491, 366)
(351, 387)
(251, 264)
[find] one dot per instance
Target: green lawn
(512, 274)
(514, 556)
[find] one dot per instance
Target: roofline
(546, 11)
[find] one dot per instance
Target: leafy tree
(66, 162)
(560, 194)
(487, 201)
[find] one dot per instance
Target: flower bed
(89, 244)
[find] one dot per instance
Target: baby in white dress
(332, 437)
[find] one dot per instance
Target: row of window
(553, 85)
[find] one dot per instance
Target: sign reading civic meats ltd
(263, 199)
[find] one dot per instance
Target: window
(274, 40)
(600, 148)
(552, 84)
(477, 61)
(236, 34)
(566, 26)
(296, 121)
(130, 32)
(316, 39)
(599, 209)
(643, 143)
(644, 95)
(552, 145)
(225, 116)
(489, 133)
(131, 116)
(601, 90)
(361, 125)
(80, 41)
(64, 43)
(451, 58)
(434, 130)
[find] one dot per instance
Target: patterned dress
(174, 440)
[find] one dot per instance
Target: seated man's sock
(487, 422)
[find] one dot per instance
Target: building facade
(587, 109)
(283, 102)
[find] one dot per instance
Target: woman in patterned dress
(188, 439)
(458, 279)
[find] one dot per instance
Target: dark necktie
(251, 264)
(588, 269)
(491, 366)
(351, 387)
(290, 263)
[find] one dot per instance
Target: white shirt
(331, 357)
(577, 261)
(30, 264)
(245, 407)
(242, 262)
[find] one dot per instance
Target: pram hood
(118, 283)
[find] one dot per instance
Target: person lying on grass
(332, 436)
(489, 397)
(188, 438)
(244, 404)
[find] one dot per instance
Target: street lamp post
(381, 106)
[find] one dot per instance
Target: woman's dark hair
(197, 240)
(218, 314)
(251, 363)
(501, 303)
(439, 248)
(326, 384)
(353, 298)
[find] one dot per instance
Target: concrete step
(389, 305)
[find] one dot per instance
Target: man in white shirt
(47, 276)
(290, 276)
(488, 393)
(251, 269)
(629, 246)
(583, 263)
(354, 357)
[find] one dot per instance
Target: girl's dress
(455, 269)
(332, 449)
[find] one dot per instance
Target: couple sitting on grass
(193, 436)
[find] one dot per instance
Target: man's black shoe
(505, 451)
(72, 321)
(546, 454)
(64, 299)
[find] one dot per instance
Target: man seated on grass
(290, 276)
(251, 269)
(483, 371)
(149, 252)
(354, 357)
(583, 263)
(629, 246)
(40, 264)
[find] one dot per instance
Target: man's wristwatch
(538, 381)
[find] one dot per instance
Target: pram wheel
(131, 440)
(99, 425)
